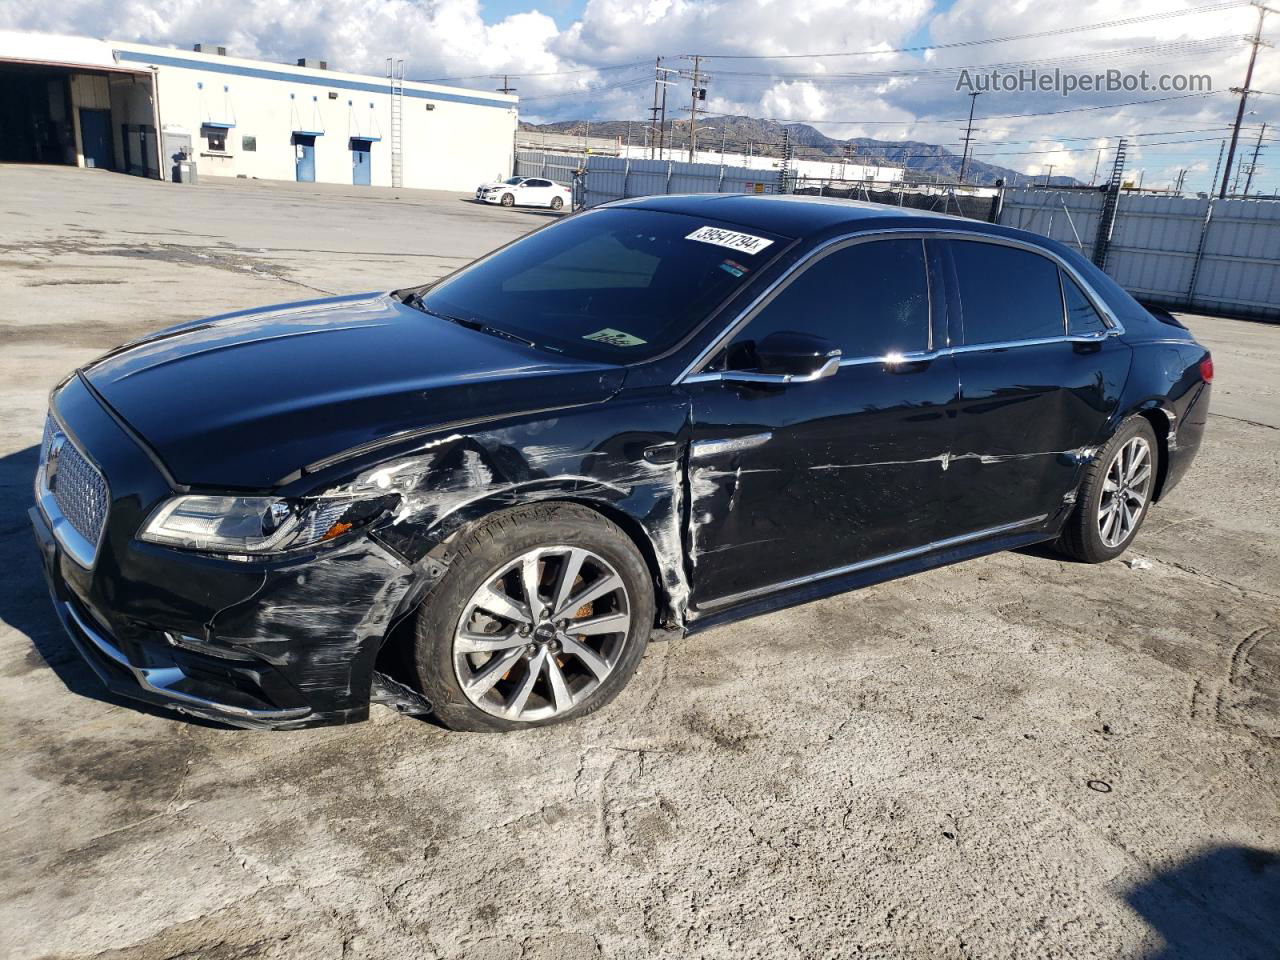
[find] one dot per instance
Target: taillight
(1206, 369)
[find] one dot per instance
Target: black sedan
(480, 497)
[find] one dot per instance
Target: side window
(1082, 317)
(869, 299)
(1006, 293)
(537, 183)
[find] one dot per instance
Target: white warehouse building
(99, 103)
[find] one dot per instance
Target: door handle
(662, 453)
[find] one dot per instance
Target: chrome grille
(77, 489)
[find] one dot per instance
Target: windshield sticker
(731, 266)
(614, 338)
(743, 242)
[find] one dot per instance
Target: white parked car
(526, 192)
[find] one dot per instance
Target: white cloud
(450, 38)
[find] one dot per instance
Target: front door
(360, 168)
(304, 147)
(536, 193)
(794, 481)
(95, 138)
(1039, 381)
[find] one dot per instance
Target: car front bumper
(284, 643)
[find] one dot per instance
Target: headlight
(256, 525)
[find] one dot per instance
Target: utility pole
(1096, 164)
(653, 111)
(1048, 177)
(1257, 148)
(698, 92)
(506, 85)
(662, 121)
(1255, 42)
(968, 135)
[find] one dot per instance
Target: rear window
(618, 285)
(1082, 316)
(1006, 293)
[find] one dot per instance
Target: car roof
(798, 216)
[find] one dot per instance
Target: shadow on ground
(1222, 903)
(525, 211)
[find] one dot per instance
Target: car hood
(245, 400)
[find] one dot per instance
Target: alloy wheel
(541, 633)
(1125, 489)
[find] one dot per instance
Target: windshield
(619, 285)
(514, 180)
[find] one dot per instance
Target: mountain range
(764, 137)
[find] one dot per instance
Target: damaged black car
(481, 497)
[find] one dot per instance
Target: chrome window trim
(897, 555)
(693, 373)
(76, 546)
(892, 359)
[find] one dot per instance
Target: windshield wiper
(415, 300)
(495, 332)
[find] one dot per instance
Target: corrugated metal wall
(1212, 256)
(615, 178)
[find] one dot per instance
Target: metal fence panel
(1154, 244)
(1070, 218)
(1241, 260)
(604, 178)
(1212, 256)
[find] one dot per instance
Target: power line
(1180, 48)
(1011, 153)
(1003, 116)
(1059, 31)
(587, 91)
(548, 73)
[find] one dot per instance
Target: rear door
(795, 481)
(536, 192)
(1039, 380)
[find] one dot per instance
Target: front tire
(1115, 496)
(542, 617)
(508, 200)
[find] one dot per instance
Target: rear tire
(508, 200)
(491, 659)
(1115, 496)
(557, 203)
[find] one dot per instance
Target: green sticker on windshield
(615, 338)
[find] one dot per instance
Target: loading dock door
(360, 166)
(304, 146)
(95, 136)
(35, 116)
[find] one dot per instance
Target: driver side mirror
(797, 356)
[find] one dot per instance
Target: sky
(885, 69)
